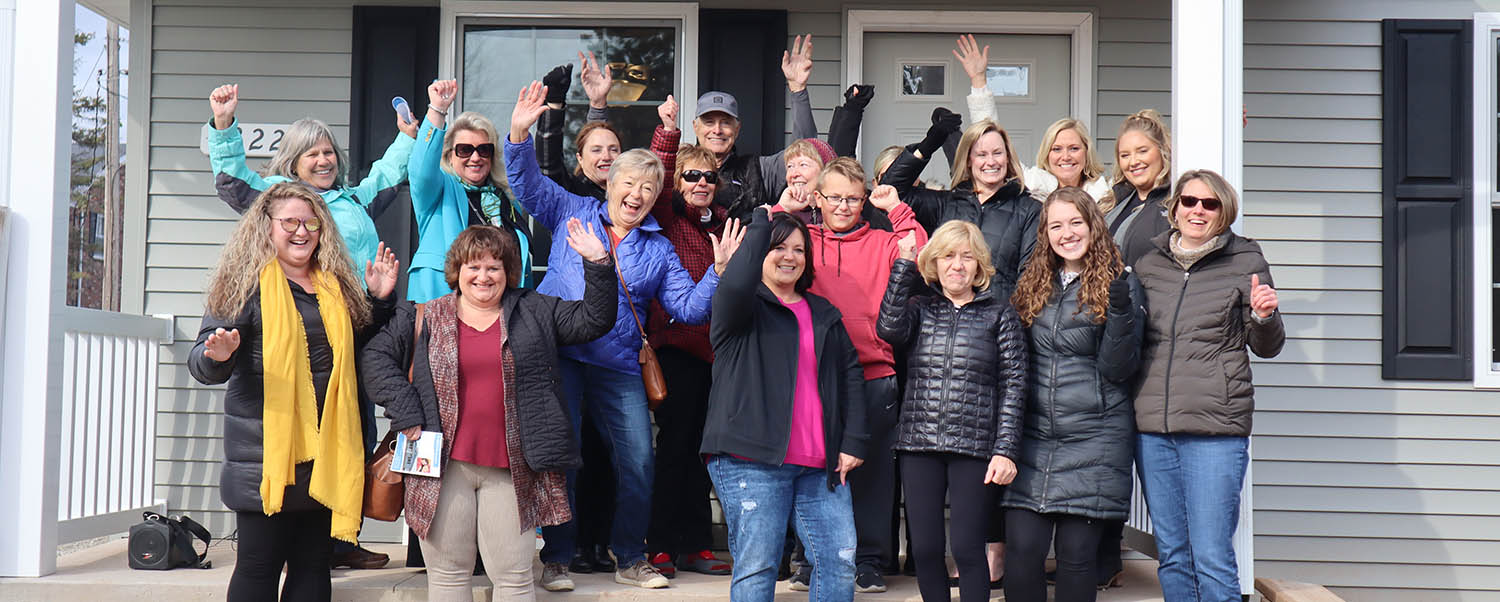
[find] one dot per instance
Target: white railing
(107, 452)
(1139, 536)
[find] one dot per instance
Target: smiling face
(319, 165)
(631, 195)
(801, 171)
(717, 131)
(1065, 159)
(1197, 223)
(784, 263)
(474, 169)
(597, 154)
(840, 215)
(1141, 160)
(988, 161)
(481, 281)
(293, 249)
(701, 193)
(1067, 234)
(956, 270)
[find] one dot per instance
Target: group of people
(996, 356)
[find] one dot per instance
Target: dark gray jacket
(1078, 438)
(966, 369)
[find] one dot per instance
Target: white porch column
(37, 56)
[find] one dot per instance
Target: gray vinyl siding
(1381, 490)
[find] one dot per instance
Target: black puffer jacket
(536, 325)
(1133, 222)
(244, 398)
(966, 369)
(1078, 440)
(1008, 219)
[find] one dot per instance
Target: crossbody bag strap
(628, 301)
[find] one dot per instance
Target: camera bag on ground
(161, 543)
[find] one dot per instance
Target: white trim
(1207, 126)
(137, 162)
(1078, 25)
(687, 35)
(1486, 26)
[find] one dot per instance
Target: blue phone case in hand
(403, 110)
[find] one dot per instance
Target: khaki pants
(470, 492)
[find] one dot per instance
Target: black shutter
(395, 53)
(739, 52)
(1427, 319)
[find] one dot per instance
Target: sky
(89, 60)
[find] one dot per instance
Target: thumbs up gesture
(1262, 298)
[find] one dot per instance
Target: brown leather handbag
(651, 377)
(385, 491)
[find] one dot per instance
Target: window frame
(1486, 107)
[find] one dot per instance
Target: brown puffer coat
(1195, 370)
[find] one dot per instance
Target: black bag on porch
(161, 543)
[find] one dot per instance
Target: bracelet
(434, 109)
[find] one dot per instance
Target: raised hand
(440, 93)
(795, 198)
(726, 245)
(797, 63)
(380, 275)
(221, 344)
(530, 104)
(667, 111)
(858, 96)
(1262, 298)
(224, 100)
(907, 246)
(884, 197)
(585, 243)
(558, 80)
(1119, 293)
(944, 124)
(596, 81)
(976, 62)
(1001, 471)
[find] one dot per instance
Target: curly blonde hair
(237, 275)
(1101, 263)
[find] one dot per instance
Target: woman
(506, 435)
(1143, 178)
(309, 154)
(787, 422)
(605, 376)
(960, 425)
(1209, 296)
(283, 316)
(454, 185)
(1085, 319)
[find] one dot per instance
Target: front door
(914, 73)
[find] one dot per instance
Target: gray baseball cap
(723, 102)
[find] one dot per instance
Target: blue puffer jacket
(647, 259)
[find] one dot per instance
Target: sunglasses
(290, 224)
(486, 150)
(1192, 201)
(693, 175)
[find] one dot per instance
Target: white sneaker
(555, 577)
(640, 573)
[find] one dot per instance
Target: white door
(914, 73)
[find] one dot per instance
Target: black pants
(872, 486)
(594, 511)
(1030, 536)
(925, 479)
(681, 517)
(297, 540)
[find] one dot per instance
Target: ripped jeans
(757, 499)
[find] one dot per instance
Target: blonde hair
(469, 121)
(972, 135)
(640, 162)
(693, 153)
(1229, 200)
(947, 239)
(845, 166)
(300, 138)
(1101, 263)
(884, 160)
(1148, 122)
(249, 250)
(802, 148)
(1092, 168)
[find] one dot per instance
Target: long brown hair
(249, 249)
(1101, 263)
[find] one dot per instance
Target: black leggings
(925, 478)
(297, 540)
(1029, 538)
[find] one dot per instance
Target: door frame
(1079, 26)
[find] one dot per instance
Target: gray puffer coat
(1077, 440)
(966, 369)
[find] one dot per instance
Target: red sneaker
(704, 562)
(663, 563)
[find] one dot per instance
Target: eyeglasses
(707, 175)
(486, 150)
(842, 200)
(1192, 201)
(290, 224)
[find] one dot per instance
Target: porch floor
(101, 573)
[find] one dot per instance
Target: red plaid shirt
(689, 235)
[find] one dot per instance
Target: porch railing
(1140, 537)
(107, 459)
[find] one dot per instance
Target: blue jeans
(757, 499)
(1192, 486)
(616, 401)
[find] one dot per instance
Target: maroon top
(481, 398)
(682, 226)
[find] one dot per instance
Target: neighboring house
(1377, 441)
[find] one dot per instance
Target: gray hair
(637, 161)
(470, 121)
(301, 137)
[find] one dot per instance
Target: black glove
(1119, 294)
(858, 96)
(944, 124)
(557, 81)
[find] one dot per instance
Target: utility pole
(114, 201)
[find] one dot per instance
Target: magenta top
(806, 447)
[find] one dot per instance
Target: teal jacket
(441, 206)
(351, 206)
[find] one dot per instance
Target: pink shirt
(806, 446)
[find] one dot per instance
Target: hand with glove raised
(858, 96)
(1119, 293)
(945, 123)
(557, 81)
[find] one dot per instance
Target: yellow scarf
(292, 434)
